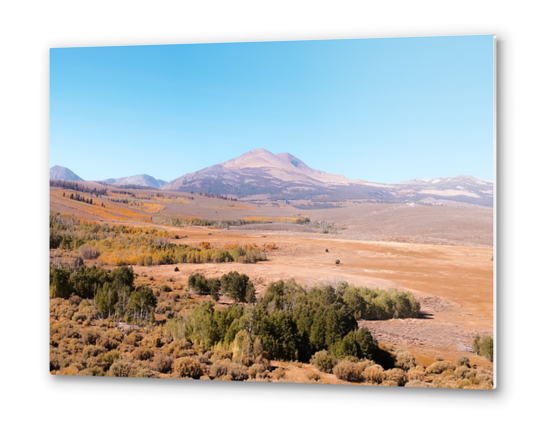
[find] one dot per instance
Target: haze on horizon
(380, 110)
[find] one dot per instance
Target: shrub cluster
(80, 348)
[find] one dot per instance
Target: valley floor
(454, 284)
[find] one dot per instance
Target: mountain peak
(64, 174)
(257, 158)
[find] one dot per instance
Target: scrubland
(186, 286)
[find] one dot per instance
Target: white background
(29, 29)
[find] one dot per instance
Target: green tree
(59, 282)
(476, 344)
(142, 305)
(486, 348)
(235, 285)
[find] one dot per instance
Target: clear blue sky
(383, 110)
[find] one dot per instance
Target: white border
(29, 29)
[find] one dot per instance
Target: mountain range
(260, 175)
(142, 180)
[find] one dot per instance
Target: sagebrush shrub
(237, 371)
(278, 374)
(203, 359)
(120, 368)
(439, 367)
(93, 371)
(417, 373)
(92, 351)
(484, 375)
(188, 367)
(88, 252)
(448, 373)
(396, 375)
(349, 371)
(486, 385)
(107, 342)
(73, 369)
(324, 361)
(263, 360)
(54, 364)
(418, 383)
(363, 365)
(462, 361)
(313, 376)
(176, 345)
(143, 372)
(462, 371)
(142, 354)
(220, 355)
(162, 363)
(79, 316)
(220, 368)
(89, 337)
(405, 360)
(256, 371)
(374, 374)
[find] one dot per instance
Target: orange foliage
(148, 207)
(110, 211)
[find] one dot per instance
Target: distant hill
(142, 180)
(64, 174)
(447, 191)
(261, 175)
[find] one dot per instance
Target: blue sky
(383, 110)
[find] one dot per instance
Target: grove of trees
(290, 322)
(113, 293)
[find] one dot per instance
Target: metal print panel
(298, 212)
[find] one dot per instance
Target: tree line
(124, 192)
(144, 246)
(79, 198)
(113, 293)
(77, 187)
(179, 221)
(216, 196)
